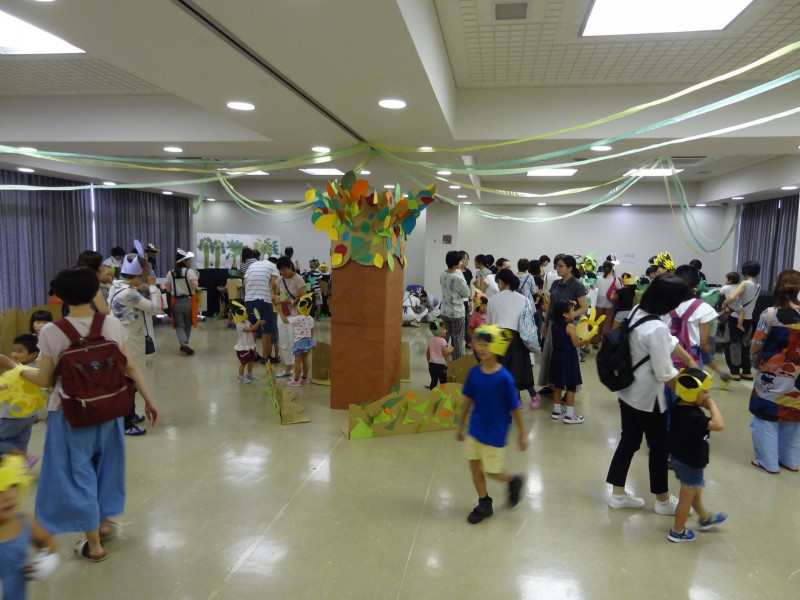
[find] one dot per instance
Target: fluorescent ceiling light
(466, 203)
(322, 171)
(366, 172)
(19, 37)
(738, 198)
(601, 148)
(701, 205)
(173, 149)
(455, 187)
(462, 195)
(789, 187)
(26, 149)
(167, 193)
(633, 17)
(258, 173)
(278, 200)
(652, 172)
(237, 105)
(211, 199)
(443, 173)
(426, 148)
(320, 149)
(541, 204)
(552, 173)
(25, 170)
(627, 204)
(109, 183)
(389, 186)
(389, 103)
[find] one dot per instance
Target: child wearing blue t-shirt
(491, 394)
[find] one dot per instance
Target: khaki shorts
(493, 459)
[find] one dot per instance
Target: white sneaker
(243, 379)
(252, 377)
(666, 508)
(626, 501)
(573, 419)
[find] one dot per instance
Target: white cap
(184, 255)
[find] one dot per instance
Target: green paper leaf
(348, 180)
(381, 418)
(361, 431)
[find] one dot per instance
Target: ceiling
(157, 74)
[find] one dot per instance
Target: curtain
(41, 232)
(767, 236)
(122, 216)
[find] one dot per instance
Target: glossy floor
(225, 503)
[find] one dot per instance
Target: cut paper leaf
(256, 314)
(361, 431)
(23, 397)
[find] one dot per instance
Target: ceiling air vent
(510, 11)
(687, 162)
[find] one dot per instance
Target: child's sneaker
(573, 419)
(482, 511)
(514, 489)
(556, 414)
(712, 520)
(294, 383)
(252, 377)
(133, 430)
(535, 399)
(668, 508)
(687, 535)
(243, 379)
(626, 501)
(305, 381)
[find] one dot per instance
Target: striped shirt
(257, 284)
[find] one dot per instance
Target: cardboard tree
(368, 234)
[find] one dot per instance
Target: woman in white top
(643, 404)
(182, 283)
(504, 310)
(603, 305)
(737, 342)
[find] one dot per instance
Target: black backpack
(614, 365)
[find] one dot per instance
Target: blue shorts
(265, 311)
(688, 476)
(15, 434)
(708, 357)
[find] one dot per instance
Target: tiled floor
(225, 503)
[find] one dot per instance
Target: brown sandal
(82, 550)
(758, 465)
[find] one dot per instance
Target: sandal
(82, 550)
(758, 465)
(112, 530)
(788, 468)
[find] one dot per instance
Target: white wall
(442, 219)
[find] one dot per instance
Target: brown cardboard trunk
(366, 332)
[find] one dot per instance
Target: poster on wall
(224, 250)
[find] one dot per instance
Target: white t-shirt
(53, 341)
(303, 326)
(649, 339)
(748, 299)
(244, 339)
(505, 308)
(549, 279)
(704, 313)
(603, 285)
(257, 281)
(180, 285)
(491, 286)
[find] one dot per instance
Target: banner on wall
(224, 250)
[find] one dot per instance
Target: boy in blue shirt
(491, 395)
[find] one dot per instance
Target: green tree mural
(235, 248)
(204, 245)
(219, 247)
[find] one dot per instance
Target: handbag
(149, 345)
(528, 332)
(611, 292)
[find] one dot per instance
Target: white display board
(224, 250)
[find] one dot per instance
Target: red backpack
(679, 327)
(92, 372)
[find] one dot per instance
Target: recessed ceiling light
(211, 199)
(443, 173)
(278, 200)
(366, 172)
(426, 148)
(258, 173)
(738, 198)
(389, 186)
(455, 187)
(43, 0)
(167, 193)
(322, 171)
(541, 204)
(389, 103)
(109, 183)
(173, 149)
(701, 205)
(652, 172)
(320, 149)
(462, 195)
(630, 17)
(237, 105)
(25, 170)
(627, 204)
(601, 148)
(466, 203)
(789, 187)
(552, 173)
(19, 37)
(26, 149)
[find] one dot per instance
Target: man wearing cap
(150, 254)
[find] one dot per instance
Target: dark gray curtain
(41, 232)
(767, 236)
(122, 216)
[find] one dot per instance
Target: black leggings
(737, 348)
(438, 373)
